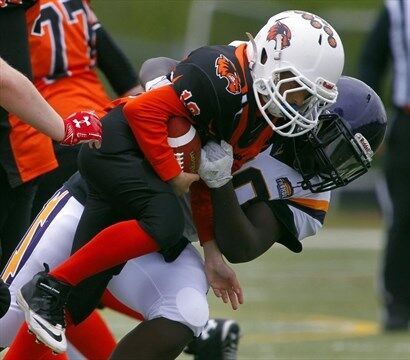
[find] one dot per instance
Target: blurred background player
(23, 156)
(67, 46)
(18, 140)
(19, 96)
(385, 44)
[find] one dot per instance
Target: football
(185, 141)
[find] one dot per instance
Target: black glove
(4, 298)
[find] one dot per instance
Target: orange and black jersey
(211, 87)
(24, 152)
(215, 85)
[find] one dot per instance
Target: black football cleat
(42, 299)
(218, 341)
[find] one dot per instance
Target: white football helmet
(310, 49)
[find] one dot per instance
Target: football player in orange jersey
(241, 94)
(17, 175)
(67, 45)
(19, 96)
(26, 153)
(282, 199)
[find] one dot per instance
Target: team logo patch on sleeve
(285, 188)
(226, 69)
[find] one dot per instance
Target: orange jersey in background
(63, 55)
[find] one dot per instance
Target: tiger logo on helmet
(280, 29)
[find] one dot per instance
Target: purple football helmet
(341, 147)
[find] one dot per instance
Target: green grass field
(319, 304)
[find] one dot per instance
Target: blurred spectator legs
(396, 262)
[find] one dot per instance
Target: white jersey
(267, 179)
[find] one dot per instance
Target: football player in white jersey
(272, 202)
(338, 151)
(267, 201)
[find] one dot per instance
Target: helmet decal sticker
(280, 29)
(332, 41)
(318, 23)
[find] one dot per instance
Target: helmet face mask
(272, 100)
(341, 147)
(333, 153)
(294, 43)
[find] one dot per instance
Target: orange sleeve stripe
(322, 205)
(147, 115)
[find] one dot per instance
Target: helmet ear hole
(264, 56)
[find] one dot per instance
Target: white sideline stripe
(346, 239)
(182, 140)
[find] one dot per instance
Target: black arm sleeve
(114, 64)
(13, 39)
(376, 52)
(15, 51)
(242, 235)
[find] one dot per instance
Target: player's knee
(193, 309)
